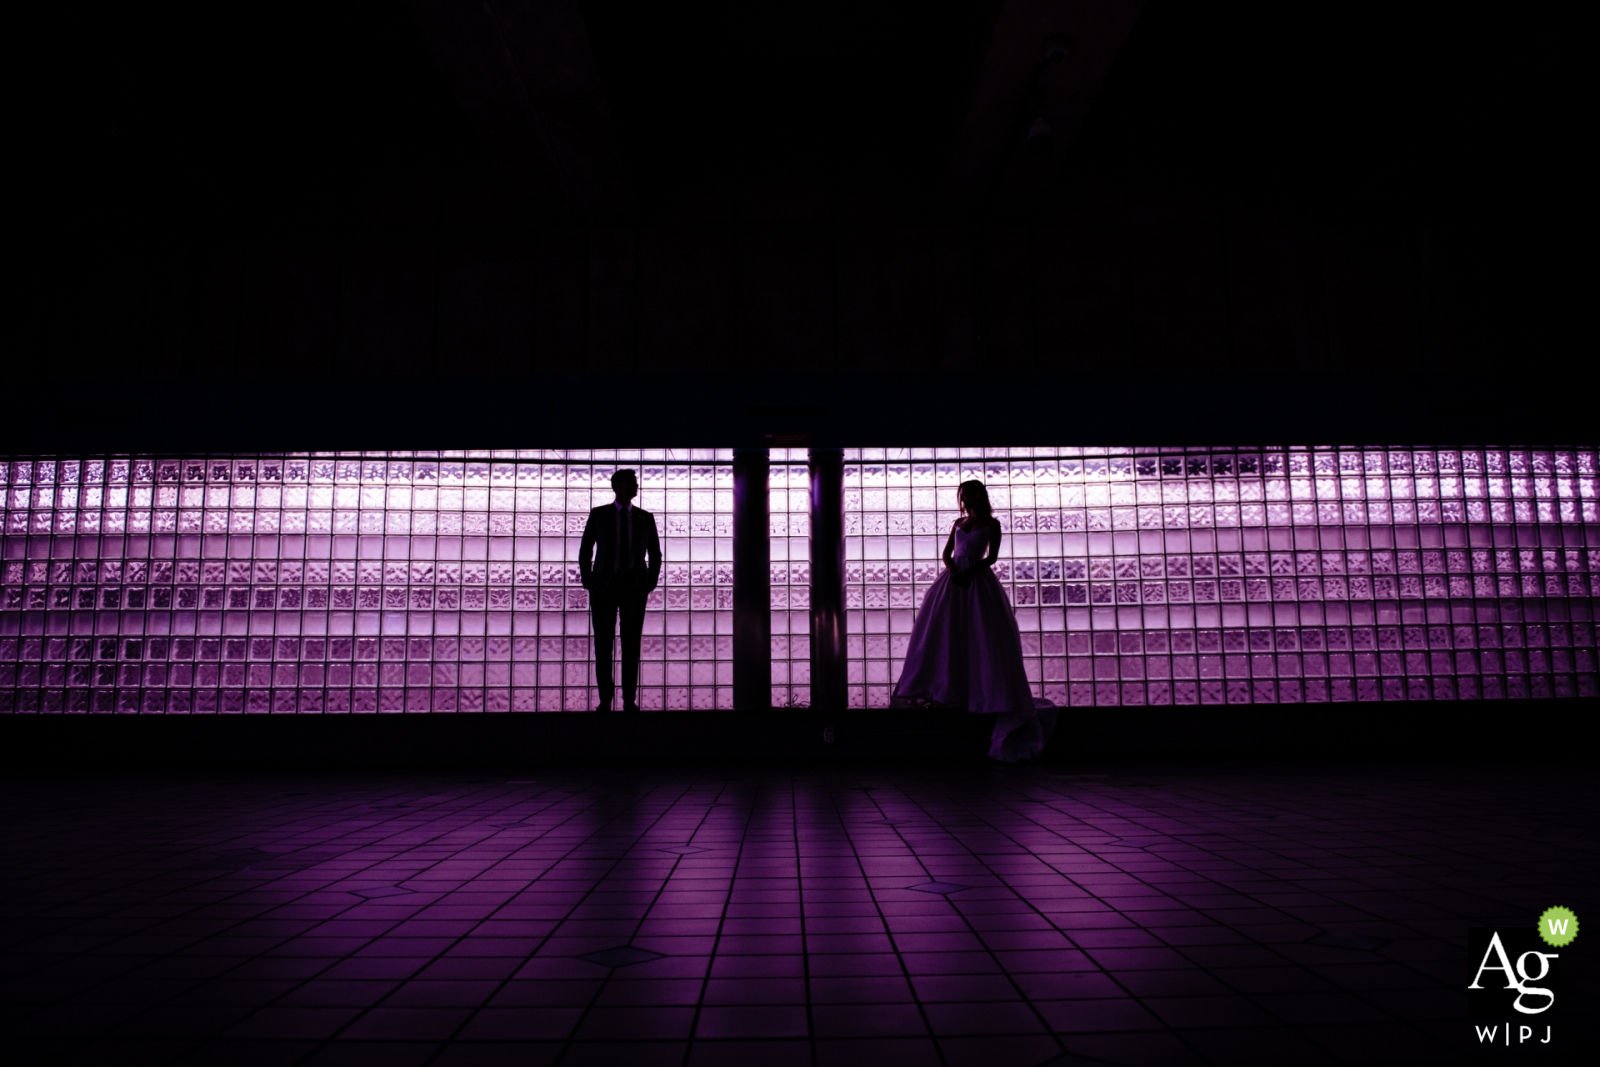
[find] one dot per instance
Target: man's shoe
(630, 707)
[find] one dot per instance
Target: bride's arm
(960, 575)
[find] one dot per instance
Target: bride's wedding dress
(966, 652)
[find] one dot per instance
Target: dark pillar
(752, 582)
(828, 665)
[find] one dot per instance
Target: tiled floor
(774, 917)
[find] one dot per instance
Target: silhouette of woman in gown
(965, 650)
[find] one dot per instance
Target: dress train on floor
(966, 652)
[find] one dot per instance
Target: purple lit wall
(1262, 575)
(789, 510)
(384, 582)
(446, 582)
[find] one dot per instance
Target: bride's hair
(975, 498)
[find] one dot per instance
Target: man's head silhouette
(625, 484)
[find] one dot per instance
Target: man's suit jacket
(598, 549)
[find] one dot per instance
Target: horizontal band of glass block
(1339, 555)
(1207, 460)
(304, 700)
(470, 552)
(1309, 691)
(369, 582)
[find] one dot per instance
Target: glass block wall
(789, 509)
(1247, 575)
(371, 582)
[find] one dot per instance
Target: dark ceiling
(834, 90)
(333, 114)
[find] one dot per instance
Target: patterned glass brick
(474, 554)
(1315, 547)
(1215, 575)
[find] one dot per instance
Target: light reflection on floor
(1258, 913)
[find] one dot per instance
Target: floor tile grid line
(1336, 821)
(805, 955)
(1064, 1042)
(1376, 1002)
(289, 993)
(722, 918)
(1431, 835)
(841, 822)
(447, 818)
(988, 949)
(577, 1026)
(1176, 863)
(899, 956)
(1244, 800)
(154, 875)
(310, 978)
(111, 978)
(894, 945)
(1277, 1015)
(579, 844)
(1434, 835)
(1176, 1032)
(1238, 840)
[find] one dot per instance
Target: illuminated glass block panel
(370, 582)
(1261, 575)
(789, 510)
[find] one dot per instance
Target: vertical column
(752, 582)
(828, 663)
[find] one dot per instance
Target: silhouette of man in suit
(619, 560)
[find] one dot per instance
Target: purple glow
(444, 582)
(789, 509)
(376, 582)
(1247, 576)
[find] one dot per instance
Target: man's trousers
(620, 599)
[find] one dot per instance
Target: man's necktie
(623, 559)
